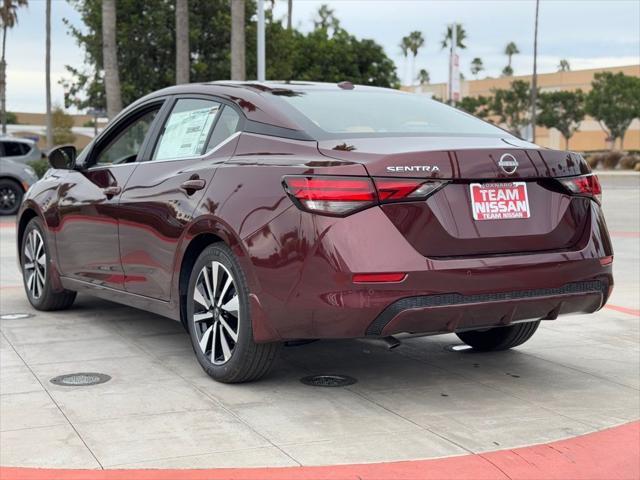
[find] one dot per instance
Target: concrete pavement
(577, 375)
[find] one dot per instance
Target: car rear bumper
(306, 290)
(446, 313)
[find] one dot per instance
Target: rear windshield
(372, 113)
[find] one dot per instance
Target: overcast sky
(589, 33)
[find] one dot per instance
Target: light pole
(534, 78)
(261, 67)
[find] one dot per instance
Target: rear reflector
(587, 185)
(331, 195)
(606, 260)
(378, 277)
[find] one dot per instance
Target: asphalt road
(577, 375)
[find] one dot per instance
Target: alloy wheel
(216, 312)
(8, 199)
(35, 263)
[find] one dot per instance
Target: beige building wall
(590, 136)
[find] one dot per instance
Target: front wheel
(219, 320)
(11, 194)
(501, 338)
(36, 271)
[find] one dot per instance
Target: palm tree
(48, 75)
(8, 19)
(326, 19)
(423, 76)
(476, 66)
(534, 77)
(510, 50)
(461, 36)
(405, 46)
(289, 14)
(238, 66)
(416, 42)
(110, 58)
(564, 66)
(182, 41)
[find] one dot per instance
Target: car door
(162, 195)
(87, 233)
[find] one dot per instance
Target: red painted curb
(612, 454)
(625, 234)
(630, 311)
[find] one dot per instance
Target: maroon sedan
(260, 213)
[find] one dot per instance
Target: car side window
(125, 146)
(187, 129)
(15, 149)
(227, 125)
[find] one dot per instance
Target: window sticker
(185, 133)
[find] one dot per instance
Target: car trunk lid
(445, 225)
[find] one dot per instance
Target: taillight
(587, 185)
(341, 196)
(331, 195)
(390, 189)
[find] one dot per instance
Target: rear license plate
(499, 201)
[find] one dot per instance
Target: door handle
(112, 191)
(192, 185)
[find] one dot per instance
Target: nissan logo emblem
(508, 163)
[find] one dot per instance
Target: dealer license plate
(499, 201)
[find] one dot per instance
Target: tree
(147, 50)
(478, 106)
(8, 19)
(325, 19)
(110, 58)
(564, 66)
(562, 110)
(614, 101)
(476, 66)
(510, 50)
(512, 105)
(461, 36)
(48, 74)
(423, 76)
(62, 125)
(238, 49)
(416, 42)
(405, 46)
(183, 53)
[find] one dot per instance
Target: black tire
(248, 360)
(501, 338)
(44, 298)
(11, 194)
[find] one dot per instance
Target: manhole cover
(15, 316)
(80, 379)
(328, 380)
(458, 348)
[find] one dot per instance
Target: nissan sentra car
(262, 213)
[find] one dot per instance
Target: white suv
(21, 150)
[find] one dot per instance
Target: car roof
(9, 138)
(254, 98)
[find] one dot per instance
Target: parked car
(20, 150)
(15, 180)
(259, 213)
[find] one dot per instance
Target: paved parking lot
(577, 375)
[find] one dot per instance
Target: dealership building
(590, 136)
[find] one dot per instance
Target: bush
(611, 159)
(40, 166)
(629, 162)
(593, 160)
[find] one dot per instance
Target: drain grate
(328, 380)
(80, 379)
(15, 316)
(458, 348)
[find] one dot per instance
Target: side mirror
(62, 157)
